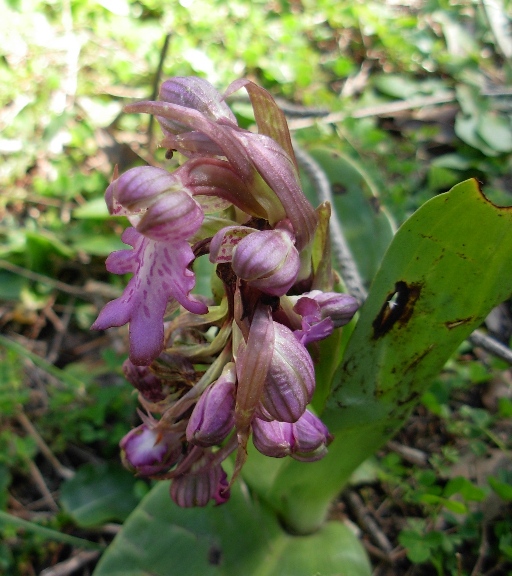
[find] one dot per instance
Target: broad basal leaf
(241, 537)
(447, 267)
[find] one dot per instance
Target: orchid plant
(236, 373)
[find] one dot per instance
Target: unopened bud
(305, 440)
(290, 379)
(198, 486)
(267, 260)
(213, 416)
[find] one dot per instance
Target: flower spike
(223, 368)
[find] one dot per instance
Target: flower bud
(274, 439)
(213, 416)
(305, 440)
(290, 379)
(204, 482)
(199, 95)
(268, 260)
(311, 438)
(147, 451)
(141, 378)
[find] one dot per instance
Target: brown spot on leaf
(418, 358)
(397, 308)
(456, 323)
(414, 395)
(375, 204)
(338, 188)
(214, 555)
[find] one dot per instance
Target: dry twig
(27, 425)
(377, 110)
(72, 564)
(409, 454)
(48, 498)
(368, 523)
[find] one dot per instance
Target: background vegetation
(419, 95)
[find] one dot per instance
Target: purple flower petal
(278, 171)
(196, 93)
(148, 451)
(204, 482)
(172, 218)
(214, 414)
(224, 242)
(160, 273)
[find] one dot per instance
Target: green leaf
(397, 85)
(455, 506)
(465, 488)
(64, 377)
(495, 129)
(41, 245)
(99, 244)
(95, 209)
(239, 537)
(5, 480)
(99, 493)
(11, 285)
(367, 225)
(418, 550)
(447, 267)
(327, 358)
(47, 533)
(502, 488)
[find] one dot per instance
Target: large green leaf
(446, 268)
(240, 537)
(99, 493)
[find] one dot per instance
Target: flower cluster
(212, 372)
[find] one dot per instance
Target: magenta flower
(290, 380)
(141, 378)
(160, 273)
(267, 259)
(164, 216)
(196, 121)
